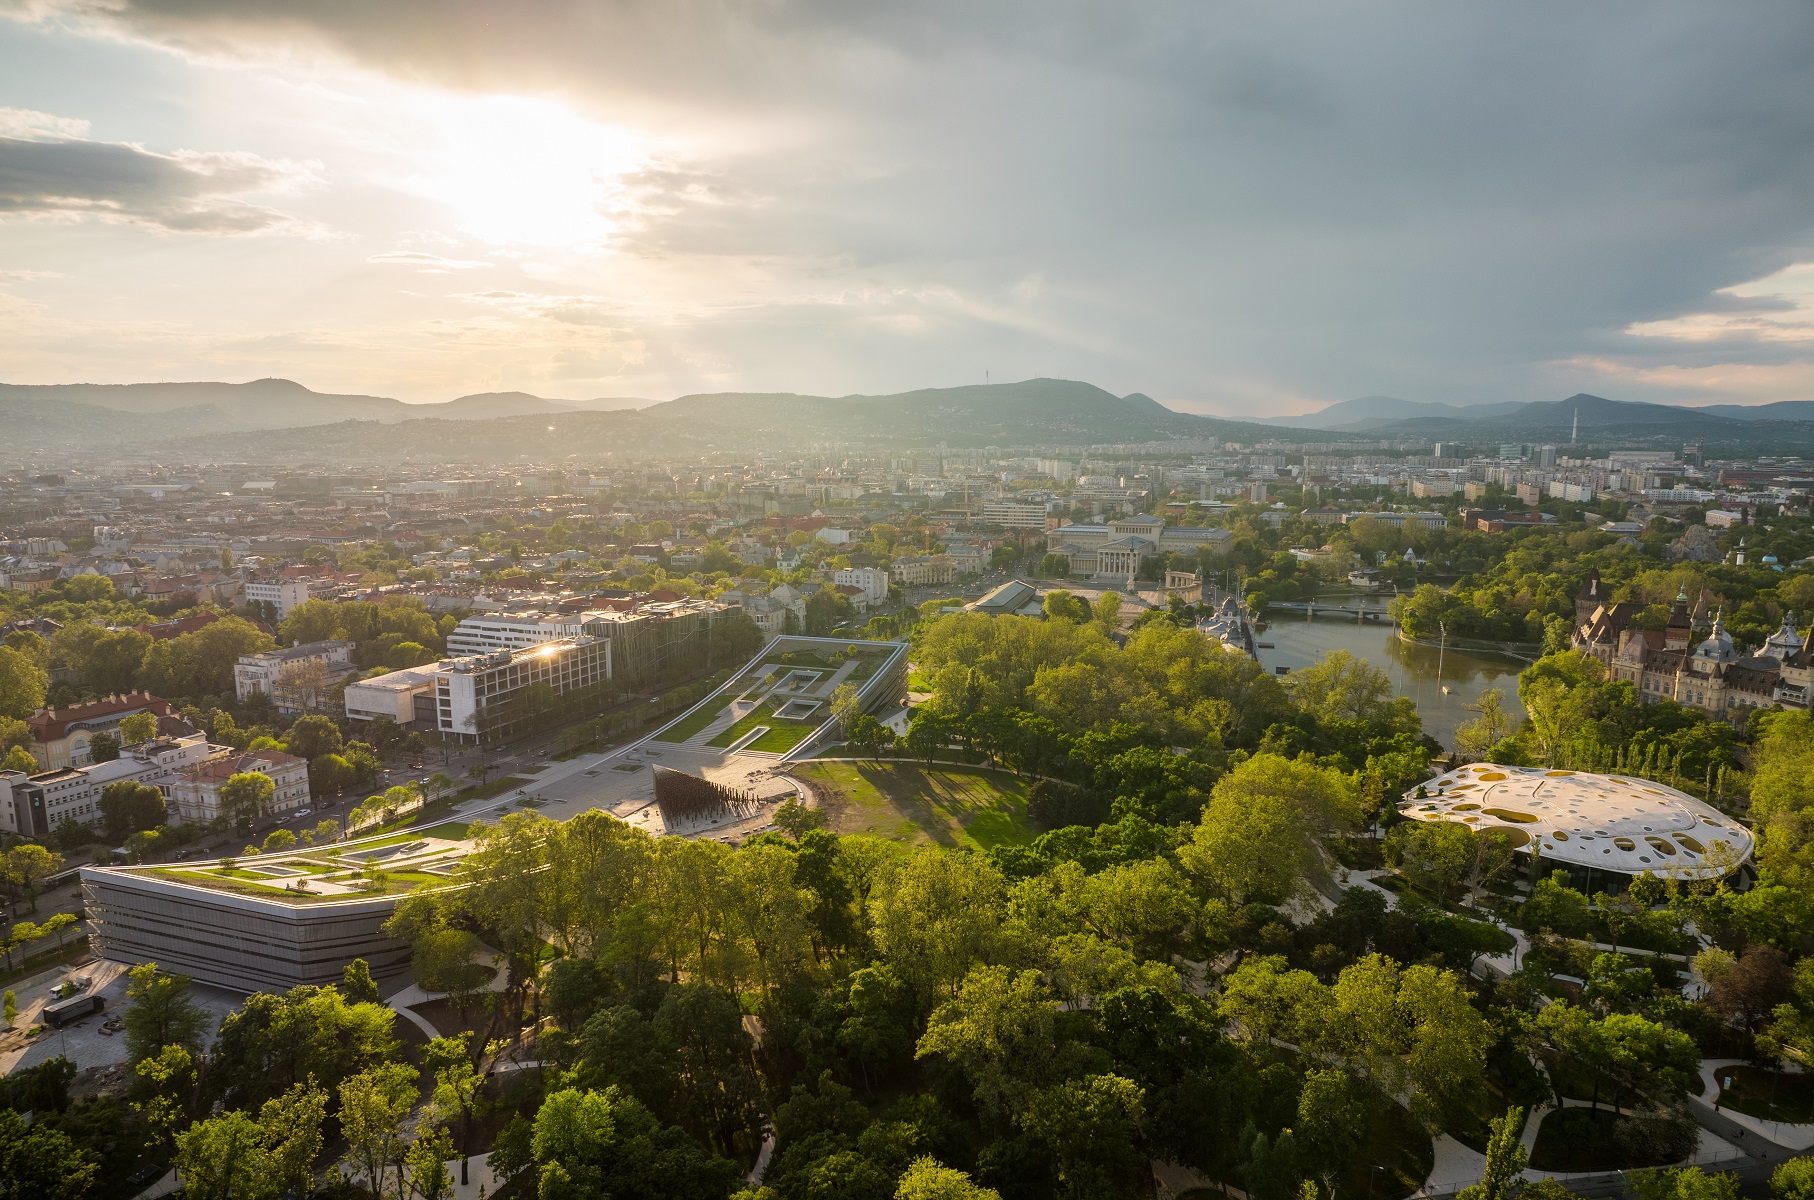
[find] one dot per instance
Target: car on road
(302, 812)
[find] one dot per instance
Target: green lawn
(686, 727)
(1766, 1095)
(783, 736)
(453, 831)
(759, 715)
(906, 802)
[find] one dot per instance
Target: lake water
(1301, 641)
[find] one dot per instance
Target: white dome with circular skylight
(1610, 822)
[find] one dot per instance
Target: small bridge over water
(1313, 608)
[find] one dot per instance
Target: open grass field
(909, 803)
(685, 728)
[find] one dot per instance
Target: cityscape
(782, 602)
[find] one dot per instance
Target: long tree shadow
(918, 797)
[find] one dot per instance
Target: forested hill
(1032, 413)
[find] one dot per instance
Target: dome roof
(1611, 822)
(1718, 646)
(1784, 641)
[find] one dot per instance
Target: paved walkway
(1773, 1140)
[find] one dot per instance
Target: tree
(160, 1013)
(1060, 604)
(1106, 612)
(589, 1143)
(1092, 1127)
(1343, 688)
(1332, 1116)
(103, 747)
(927, 1179)
(425, 1163)
(794, 818)
(273, 1042)
(18, 758)
(934, 956)
(38, 1162)
(356, 983)
(1794, 1180)
(845, 707)
(291, 1124)
(14, 734)
(10, 1011)
(128, 807)
(999, 1031)
(23, 684)
(201, 663)
(245, 797)
(166, 1092)
(26, 866)
(1505, 1159)
(224, 1158)
(457, 1086)
(312, 736)
(1492, 725)
(1555, 906)
(1683, 1183)
(137, 728)
(1749, 988)
(278, 839)
(373, 1105)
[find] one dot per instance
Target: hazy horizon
(1242, 211)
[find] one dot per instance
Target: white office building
(873, 581)
(1012, 515)
(296, 678)
(514, 631)
(283, 595)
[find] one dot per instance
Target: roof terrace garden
(394, 865)
(786, 691)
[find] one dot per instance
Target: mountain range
(285, 404)
(277, 420)
(1368, 414)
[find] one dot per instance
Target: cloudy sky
(1254, 207)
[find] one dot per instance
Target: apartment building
(873, 581)
(194, 791)
(59, 736)
(296, 678)
(34, 805)
(923, 570)
(283, 595)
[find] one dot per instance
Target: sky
(1239, 208)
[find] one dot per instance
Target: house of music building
(1603, 830)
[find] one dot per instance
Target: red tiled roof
(220, 770)
(51, 724)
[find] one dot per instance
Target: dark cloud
(185, 192)
(1225, 202)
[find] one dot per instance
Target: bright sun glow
(528, 172)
